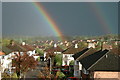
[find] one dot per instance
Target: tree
(23, 63)
(5, 75)
(39, 51)
(58, 59)
(60, 74)
(5, 42)
(82, 44)
(72, 62)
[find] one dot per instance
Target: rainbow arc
(49, 20)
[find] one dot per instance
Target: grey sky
(72, 18)
(0, 19)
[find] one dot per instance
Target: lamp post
(0, 70)
(50, 65)
(101, 44)
(0, 74)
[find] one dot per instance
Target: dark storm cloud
(0, 19)
(72, 18)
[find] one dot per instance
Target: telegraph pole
(0, 74)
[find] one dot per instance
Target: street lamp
(101, 41)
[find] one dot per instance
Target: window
(77, 62)
(65, 62)
(71, 55)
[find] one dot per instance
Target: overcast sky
(0, 19)
(78, 18)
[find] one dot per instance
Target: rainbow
(106, 27)
(49, 20)
(99, 13)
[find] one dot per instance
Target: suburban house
(16, 48)
(89, 61)
(102, 64)
(53, 50)
(1, 63)
(1, 57)
(98, 64)
(68, 54)
(108, 66)
(106, 46)
(10, 52)
(5, 62)
(30, 50)
(77, 65)
(2, 53)
(91, 43)
(21, 48)
(6, 50)
(6, 59)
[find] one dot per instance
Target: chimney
(103, 44)
(106, 56)
(23, 43)
(76, 45)
(12, 42)
(55, 45)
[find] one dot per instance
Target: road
(34, 73)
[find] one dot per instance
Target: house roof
(2, 53)
(38, 46)
(6, 50)
(80, 53)
(107, 46)
(90, 60)
(54, 49)
(16, 47)
(73, 50)
(109, 63)
(27, 47)
(87, 53)
(116, 50)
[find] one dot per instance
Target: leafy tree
(58, 59)
(38, 59)
(83, 44)
(5, 75)
(47, 45)
(71, 62)
(5, 42)
(63, 47)
(39, 51)
(24, 63)
(60, 74)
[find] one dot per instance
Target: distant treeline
(55, 38)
